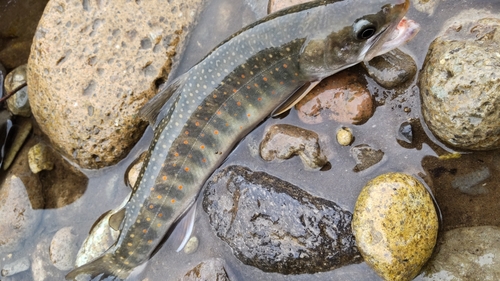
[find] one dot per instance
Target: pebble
(18, 104)
(63, 249)
(6, 134)
(284, 141)
(191, 245)
(24, 127)
(395, 225)
(344, 136)
(426, 6)
(405, 132)
(39, 158)
(15, 267)
(208, 270)
(391, 69)
(366, 157)
(42, 269)
(3, 73)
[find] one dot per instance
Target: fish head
(368, 29)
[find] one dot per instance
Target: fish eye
(364, 29)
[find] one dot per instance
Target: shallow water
(106, 189)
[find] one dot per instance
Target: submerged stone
(19, 220)
(343, 97)
(344, 136)
(365, 157)
(63, 249)
(284, 141)
(208, 270)
(459, 85)
(276, 226)
(464, 252)
(395, 225)
(18, 104)
(391, 69)
(39, 158)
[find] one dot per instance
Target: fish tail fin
(102, 268)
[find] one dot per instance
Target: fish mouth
(403, 32)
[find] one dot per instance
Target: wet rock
(39, 158)
(19, 220)
(277, 227)
(19, 21)
(21, 131)
(191, 245)
(63, 184)
(365, 156)
(63, 249)
(283, 141)
(103, 66)
(459, 85)
(395, 225)
(405, 132)
(42, 268)
(344, 136)
(466, 188)
(6, 134)
(15, 267)
(426, 6)
(467, 254)
(18, 104)
(471, 183)
(208, 270)
(3, 73)
(391, 69)
(276, 5)
(342, 97)
(33, 186)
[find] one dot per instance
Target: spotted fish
(201, 116)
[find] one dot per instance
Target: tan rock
(276, 5)
(93, 65)
(395, 225)
(342, 97)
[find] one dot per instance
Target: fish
(200, 116)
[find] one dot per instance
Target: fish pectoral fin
(115, 220)
(153, 107)
(186, 226)
(180, 232)
(98, 220)
(295, 98)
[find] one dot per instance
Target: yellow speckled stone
(395, 225)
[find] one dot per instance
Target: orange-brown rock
(342, 97)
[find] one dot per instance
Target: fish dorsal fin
(153, 107)
(115, 220)
(295, 98)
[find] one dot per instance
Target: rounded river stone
(395, 225)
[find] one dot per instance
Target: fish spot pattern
(222, 104)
